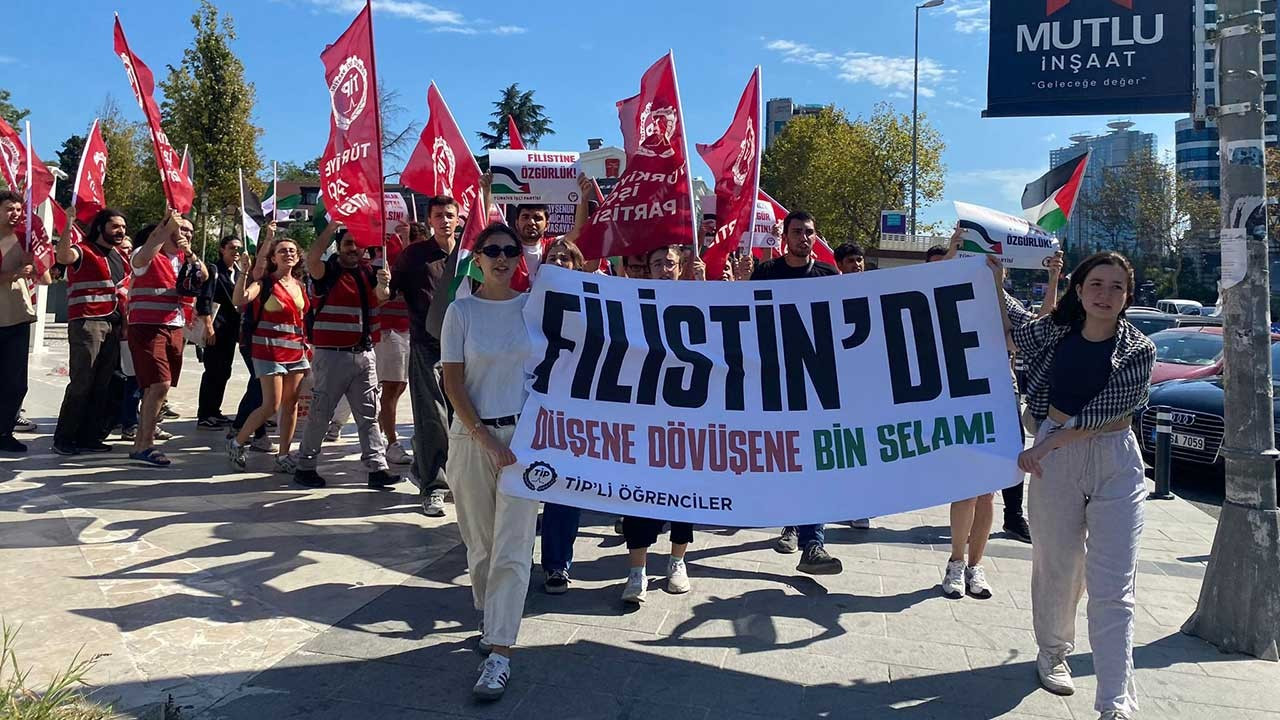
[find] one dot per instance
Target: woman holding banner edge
(1088, 371)
(483, 350)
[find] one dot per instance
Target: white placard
(1017, 243)
(1235, 256)
(534, 176)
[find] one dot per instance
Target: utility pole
(915, 111)
(1239, 606)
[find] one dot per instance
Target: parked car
(1184, 353)
(1197, 410)
(1174, 306)
(1150, 320)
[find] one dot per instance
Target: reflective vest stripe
(85, 299)
(90, 285)
(277, 342)
(86, 282)
(337, 326)
(283, 328)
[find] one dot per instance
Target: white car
(1179, 307)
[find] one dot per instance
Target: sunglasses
(493, 251)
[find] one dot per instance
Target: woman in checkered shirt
(1088, 371)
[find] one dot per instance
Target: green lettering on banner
(972, 432)
(823, 452)
(839, 448)
(941, 432)
(888, 446)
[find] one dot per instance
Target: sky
(580, 58)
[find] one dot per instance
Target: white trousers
(1087, 513)
(498, 531)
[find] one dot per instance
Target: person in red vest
(95, 318)
(391, 351)
(155, 320)
(275, 305)
(348, 290)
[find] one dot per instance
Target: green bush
(63, 699)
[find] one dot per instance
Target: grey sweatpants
(337, 374)
(1087, 511)
(430, 417)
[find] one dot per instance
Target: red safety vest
(91, 293)
(337, 320)
(277, 335)
(154, 298)
(394, 313)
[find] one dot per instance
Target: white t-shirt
(176, 262)
(489, 338)
(532, 257)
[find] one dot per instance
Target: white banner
(534, 176)
(1017, 243)
(761, 234)
(395, 208)
(756, 404)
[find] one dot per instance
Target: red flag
(652, 204)
(515, 142)
(13, 166)
(734, 160)
(442, 164)
(177, 186)
(351, 167)
(88, 194)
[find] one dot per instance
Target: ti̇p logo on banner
(539, 476)
(349, 92)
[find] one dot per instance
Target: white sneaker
(953, 581)
(433, 505)
(495, 671)
(677, 577)
(636, 588)
(975, 582)
(333, 432)
(235, 453)
(860, 524)
(287, 464)
(263, 445)
(1055, 674)
(397, 456)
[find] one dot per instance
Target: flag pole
(75, 184)
(243, 233)
(688, 167)
(413, 205)
(28, 195)
(275, 193)
(377, 120)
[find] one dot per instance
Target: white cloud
(1010, 182)
(964, 103)
(440, 19)
(5, 59)
(971, 16)
(1051, 137)
(861, 67)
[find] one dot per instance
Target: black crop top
(1080, 370)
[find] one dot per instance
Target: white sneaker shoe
(677, 577)
(397, 456)
(495, 671)
(433, 504)
(636, 588)
(235, 453)
(263, 445)
(1055, 674)
(953, 581)
(975, 582)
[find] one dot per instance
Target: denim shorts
(263, 368)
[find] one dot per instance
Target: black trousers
(1013, 501)
(252, 398)
(218, 359)
(15, 343)
(90, 405)
(643, 532)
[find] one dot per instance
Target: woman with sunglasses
(276, 305)
(484, 345)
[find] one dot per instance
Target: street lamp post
(915, 91)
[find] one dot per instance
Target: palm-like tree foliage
(531, 121)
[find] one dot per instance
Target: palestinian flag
(287, 203)
(251, 213)
(319, 216)
(1048, 201)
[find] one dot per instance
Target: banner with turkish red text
(351, 166)
(734, 160)
(652, 203)
(177, 185)
(860, 394)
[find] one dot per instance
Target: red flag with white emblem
(652, 204)
(88, 193)
(734, 160)
(441, 164)
(177, 186)
(351, 166)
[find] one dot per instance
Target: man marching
(348, 291)
(17, 273)
(391, 350)
(95, 318)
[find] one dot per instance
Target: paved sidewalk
(246, 597)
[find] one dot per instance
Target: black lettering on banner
(673, 391)
(592, 347)
(956, 341)
(608, 389)
(915, 304)
(647, 389)
(554, 307)
(814, 357)
(730, 319)
(767, 343)
(857, 312)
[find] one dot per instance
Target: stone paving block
(915, 653)
(986, 612)
(441, 690)
(992, 694)
(965, 634)
(611, 645)
(1212, 691)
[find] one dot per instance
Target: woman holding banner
(1088, 371)
(665, 263)
(484, 345)
(276, 305)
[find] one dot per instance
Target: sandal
(151, 456)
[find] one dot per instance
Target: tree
(132, 185)
(846, 171)
(69, 163)
(394, 142)
(530, 119)
(207, 107)
(11, 113)
(293, 172)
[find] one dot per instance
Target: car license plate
(1191, 442)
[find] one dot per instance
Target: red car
(1189, 353)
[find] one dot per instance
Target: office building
(1110, 150)
(779, 111)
